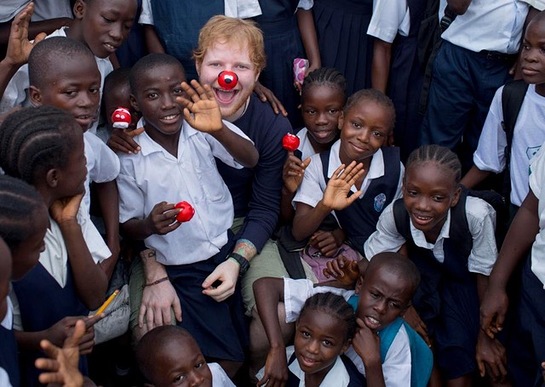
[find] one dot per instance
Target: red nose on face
(290, 142)
(121, 118)
(186, 211)
(227, 80)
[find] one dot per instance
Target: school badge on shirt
(379, 202)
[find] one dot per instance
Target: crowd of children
(218, 256)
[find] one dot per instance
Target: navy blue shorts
(219, 327)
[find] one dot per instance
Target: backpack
(421, 354)
(512, 97)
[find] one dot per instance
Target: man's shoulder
(261, 118)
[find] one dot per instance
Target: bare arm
(108, 198)
(35, 28)
(153, 44)
(474, 176)
(307, 29)
(459, 7)
(380, 69)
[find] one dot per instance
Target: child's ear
(52, 178)
(35, 96)
(359, 284)
(341, 121)
(346, 346)
(79, 9)
(134, 103)
(456, 196)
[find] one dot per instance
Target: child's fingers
(88, 323)
(77, 335)
(201, 91)
(50, 349)
(209, 92)
(47, 365)
(190, 91)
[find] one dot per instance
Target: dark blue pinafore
(8, 355)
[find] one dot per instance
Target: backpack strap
(512, 98)
(387, 336)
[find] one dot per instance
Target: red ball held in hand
(290, 142)
(227, 80)
(186, 211)
(121, 118)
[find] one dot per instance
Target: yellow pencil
(107, 302)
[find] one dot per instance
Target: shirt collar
(420, 239)
(337, 376)
(149, 146)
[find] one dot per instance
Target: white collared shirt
(390, 17)
(153, 175)
(537, 181)
(313, 186)
(493, 25)
(305, 147)
(481, 219)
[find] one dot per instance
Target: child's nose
(380, 306)
(116, 32)
(195, 379)
(313, 346)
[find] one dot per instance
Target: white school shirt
(481, 219)
(153, 175)
(54, 259)
(219, 377)
(390, 17)
(493, 25)
(396, 367)
(537, 181)
(528, 135)
(305, 147)
(313, 185)
(16, 92)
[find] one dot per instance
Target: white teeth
(171, 117)
(373, 320)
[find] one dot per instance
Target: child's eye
(179, 378)
(438, 198)
(199, 365)
(94, 90)
(107, 20)
(374, 294)
(376, 133)
(411, 193)
(525, 46)
(71, 93)
(310, 111)
(327, 343)
(356, 125)
(395, 305)
(305, 334)
(152, 95)
(333, 111)
(178, 91)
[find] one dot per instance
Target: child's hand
(326, 242)
(162, 219)
(19, 46)
(293, 172)
(65, 210)
(491, 358)
(414, 320)
(493, 310)
(201, 110)
(366, 343)
(62, 364)
(226, 273)
(265, 94)
(64, 328)
(337, 189)
(276, 368)
(343, 270)
(122, 140)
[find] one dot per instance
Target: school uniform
(528, 135)
(476, 53)
(282, 40)
(529, 332)
(305, 147)
(191, 252)
(396, 366)
(341, 27)
(219, 377)
(398, 22)
(46, 295)
(9, 365)
(447, 298)
(381, 185)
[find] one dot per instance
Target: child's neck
(315, 379)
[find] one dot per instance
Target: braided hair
(34, 140)
(440, 155)
(334, 305)
(375, 96)
(19, 205)
(324, 76)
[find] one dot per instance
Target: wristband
(156, 282)
(243, 262)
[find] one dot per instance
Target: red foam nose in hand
(186, 211)
(290, 142)
(121, 118)
(227, 80)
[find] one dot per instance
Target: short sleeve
(146, 16)
(313, 185)
(537, 171)
(389, 18)
(305, 4)
(131, 197)
(386, 237)
(219, 151)
(481, 219)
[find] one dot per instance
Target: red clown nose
(227, 80)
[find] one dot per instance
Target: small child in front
(384, 294)
(169, 355)
(183, 133)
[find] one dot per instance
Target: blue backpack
(421, 355)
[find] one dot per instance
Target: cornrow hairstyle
(324, 76)
(375, 96)
(441, 155)
(148, 63)
(334, 305)
(398, 264)
(44, 57)
(19, 204)
(36, 139)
